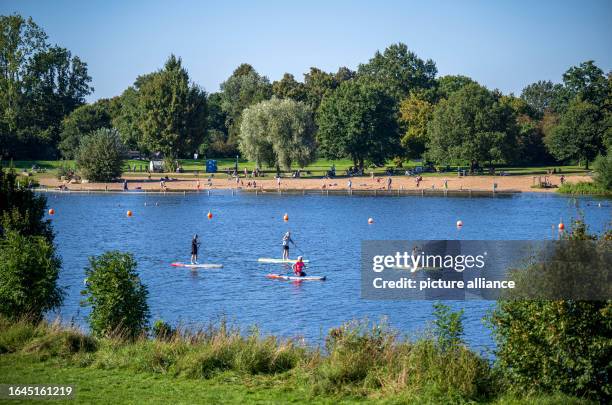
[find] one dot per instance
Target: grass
(219, 364)
(583, 188)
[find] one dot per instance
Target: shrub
(556, 345)
(116, 295)
(603, 171)
(100, 155)
(448, 326)
(162, 330)
(29, 269)
(583, 188)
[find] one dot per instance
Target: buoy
(51, 211)
(129, 213)
(370, 221)
(561, 226)
(285, 217)
(209, 215)
(145, 204)
(459, 224)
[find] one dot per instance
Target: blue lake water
(328, 229)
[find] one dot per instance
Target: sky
(501, 44)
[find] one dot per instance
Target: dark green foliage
(29, 269)
(288, 87)
(80, 123)
(448, 326)
(544, 96)
(117, 298)
(556, 345)
(358, 120)
(100, 155)
(603, 171)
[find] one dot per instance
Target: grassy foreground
(220, 365)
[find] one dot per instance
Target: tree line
(394, 106)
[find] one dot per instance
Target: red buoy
(209, 215)
(285, 217)
(51, 211)
(129, 213)
(561, 226)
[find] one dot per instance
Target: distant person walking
(389, 180)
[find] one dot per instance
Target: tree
(172, 111)
(399, 71)
(29, 269)
(127, 119)
(358, 120)
(317, 83)
(603, 171)
(278, 133)
(446, 85)
(100, 155)
(81, 122)
(242, 89)
(545, 96)
(288, 87)
(579, 134)
(472, 125)
(588, 82)
(116, 295)
(415, 114)
(556, 344)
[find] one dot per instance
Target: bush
(29, 269)
(583, 188)
(448, 326)
(100, 155)
(556, 345)
(603, 171)
(116, 295)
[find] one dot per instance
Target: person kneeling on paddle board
(286, 240)
(298, 267)
(194, 249)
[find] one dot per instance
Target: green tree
(472, 125)
(446, 85)
(217, 142)
(399, 71)
(100, 155)
(358, 120)
(288, 87)
(278, 133)
(29, 269)
(127, 119)
(415, 114)
(117, 297)
(588, 82)
(556, 345)
(242, 89)
(579, 133)
(172, 111)
(81, 122)
(603, 171)
(545, 96)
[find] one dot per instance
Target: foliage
(29, 269)
(318, 83)
(579, 133)
(358, 120)
(587, 82)
(472, 125)
(217, 142)
(288, 87)
(278, 133)
(415, 114)
(39, 85)
(116, 295)
(544, 96)
(171, 111)
(399, 71)
(100, 155)
(448, 326)
(556, 345)
(79, 123)
(582, 188)
(446, 85)
(21, 210)
(603, 171)
(127, 118)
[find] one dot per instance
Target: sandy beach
(220, 181)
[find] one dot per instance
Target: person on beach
(389, 180)
(278, 181)
(125, 186)
(286, 240)
(195, 244)
(298, 267)
(350, 185)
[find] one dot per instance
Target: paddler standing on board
(286, 240)
(298, 267)
(195, 244)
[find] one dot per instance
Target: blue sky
(501, 44)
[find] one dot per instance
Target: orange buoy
(129, 213)
(561, 226)
(370, 220)
(285, 217)
(209, 215)
(459, 224)
(51, 211)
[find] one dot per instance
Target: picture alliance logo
(415, 261)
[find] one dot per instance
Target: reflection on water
(328, 230)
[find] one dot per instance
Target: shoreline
(401, 185)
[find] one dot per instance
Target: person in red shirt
(298, 267)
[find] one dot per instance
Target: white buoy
(459, 223)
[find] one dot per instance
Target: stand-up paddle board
(286, 261)
(295, 278)
(197, 266)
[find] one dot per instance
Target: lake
(327, 229)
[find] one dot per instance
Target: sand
(518, 183)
